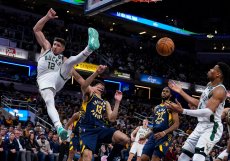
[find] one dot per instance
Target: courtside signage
(13, 52)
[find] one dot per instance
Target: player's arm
(193, 101)
(134, 133)
(89, 80)
(112, 114)
(224, 113)
(42, 41)
(174, 126)
(218, 95)
(72, 119)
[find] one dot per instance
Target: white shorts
(204, 137)
(137, 148)
(51, 80)
(222, 155)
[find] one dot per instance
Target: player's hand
(101, 69)
(175, 87)
(174, 106)
(141, 140)
(51, 14)
(118, 95)
(159, 135)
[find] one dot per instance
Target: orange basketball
(165, 46)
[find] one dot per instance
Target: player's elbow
(35, 29)
(112, 119)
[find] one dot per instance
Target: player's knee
(87, 155)
(198, 157)
(144, 157)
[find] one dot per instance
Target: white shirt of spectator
(203, 104)
(20, 146)
(141, 133)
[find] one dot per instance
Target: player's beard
(165, 99)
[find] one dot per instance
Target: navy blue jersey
(162, 118)
(94, 110)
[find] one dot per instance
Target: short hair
(61, 40)
(97, 81)
(225, 70)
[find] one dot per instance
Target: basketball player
(224, 154)
(137, 146)
(74, 146)
(209, 109)
(54, 69)
(93, 130)
(165, 122)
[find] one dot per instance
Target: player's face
(214, 72)
(57, 48)
(165, 93)
(145, 122)
(99, 88)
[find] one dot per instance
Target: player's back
(206, 95)
(48, 62)
(94, 110)
(162, 118)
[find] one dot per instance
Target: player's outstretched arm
(72, 119)
(112, 115)
(89, 80)
(176, 88)
(42, 41)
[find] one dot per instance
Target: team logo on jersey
(100, 106)
(160, 114)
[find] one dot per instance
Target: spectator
(55, 146)
(45, 150)
(11, 148)
(1, 148)
(32, 146)
(29, 122)
(21, 143)
(170, 155)
(9, 121)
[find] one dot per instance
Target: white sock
(48, 97)
(184, 157)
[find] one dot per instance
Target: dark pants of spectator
(11, 156)
(64, 151)
(31, 156)
(43, 156)
(2, 156)
(21, 156)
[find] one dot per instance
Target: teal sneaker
(62, 133)
(93, 41)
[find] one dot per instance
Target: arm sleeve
(198, 113)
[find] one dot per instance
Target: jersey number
(51, 65)
(160, 117)
(99, 109)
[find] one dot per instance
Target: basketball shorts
(159, 147)
(74, 143)
(203, 138)
(53, 80)
(137, 148)
(90, 138)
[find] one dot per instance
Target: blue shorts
(74, 143)
(90, 138)
(157, 147)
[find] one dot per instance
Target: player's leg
(133, 151)
(120, 138)
(188, 148)
(221, 156)
(48, 95)
(93, 44)
(148, 149)
(207, 140)
(139, 151)
(87, 155)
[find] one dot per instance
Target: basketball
(165, 46)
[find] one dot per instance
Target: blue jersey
(162, 118)
(94, 109)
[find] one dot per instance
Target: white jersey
(206, 95)
(48, 71)
(141, 132)
(48, 63)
